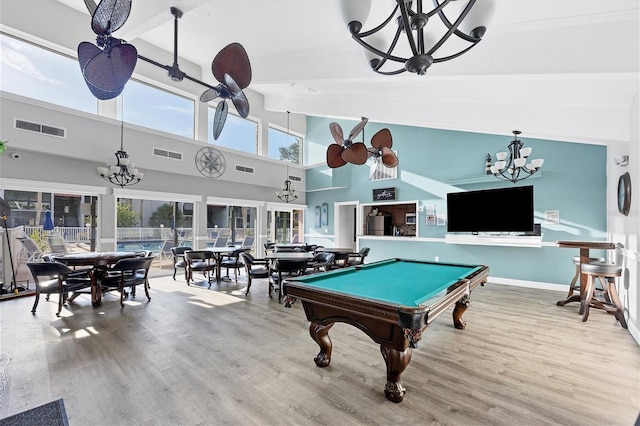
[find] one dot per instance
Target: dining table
(218, 254)
(584, 248)
(95, 263)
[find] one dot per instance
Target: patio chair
(221, 242)
(57, 245)
(248, 241)
(30, 251)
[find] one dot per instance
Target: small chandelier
(123, 172)
(424, 48)
(288, 194)
(512, 165)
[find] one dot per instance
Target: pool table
(393, 301)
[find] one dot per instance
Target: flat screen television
(492, 210)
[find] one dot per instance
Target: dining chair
(287, 266)
(178, 259)
(56, 278)
(232, 261)
(199, 261)
(321, 262)
(269, 248)
(254, 268)
(129, 272)
(358, 258)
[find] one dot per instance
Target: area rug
(50, 414)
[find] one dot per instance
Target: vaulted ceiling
(557, 69)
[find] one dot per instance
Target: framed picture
(383, 194)
(317, 222)
(324, 214)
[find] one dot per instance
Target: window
(283, 146)
(238, 133)
(42, 74)
(381, 172)
(158, 109)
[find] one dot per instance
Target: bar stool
(604, 272)
(576, 278)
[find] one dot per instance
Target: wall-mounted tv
(492, 210)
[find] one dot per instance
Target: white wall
(626, 229)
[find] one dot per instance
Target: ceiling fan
(108, 65)
(380, 150)
(346, 151)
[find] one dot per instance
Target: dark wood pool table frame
(396, 328)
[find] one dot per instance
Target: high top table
(584, 247)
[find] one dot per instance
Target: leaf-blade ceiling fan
(380, 151)
(346, 150)
(108, 65)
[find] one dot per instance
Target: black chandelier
(288, 194)
(513, 165)
(424, 47)
(123, 172)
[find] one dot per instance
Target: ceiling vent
(167, 154)
(39, 128)
(295, 178)
(244, 169)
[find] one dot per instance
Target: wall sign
(383, 194)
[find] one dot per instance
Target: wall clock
(210, 162)
(624, 194)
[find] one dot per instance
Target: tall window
(158, 109)
(39, 73)
(238, 133)
(283, 146)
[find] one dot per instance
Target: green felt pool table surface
(394, 281)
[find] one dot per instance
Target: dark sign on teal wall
(383, 194)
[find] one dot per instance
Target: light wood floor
(198, 356)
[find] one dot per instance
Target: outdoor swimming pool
(135, 245)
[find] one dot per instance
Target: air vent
(39, 128)
(244, 169)
(167, 154)
(295, 178)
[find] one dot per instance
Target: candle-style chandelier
(287, 194)
(513, 165)
(460, 26)
(123, 172)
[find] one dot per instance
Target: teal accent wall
(573, 181)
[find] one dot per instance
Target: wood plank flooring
(198, 356)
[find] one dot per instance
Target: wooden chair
(280, 266)
(199, 261)
(179, 261)
(56, 278)
(254, 268)
(130, 272)
(575, 281)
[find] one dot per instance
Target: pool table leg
(461, 307)
(396, 362)
(320, 334)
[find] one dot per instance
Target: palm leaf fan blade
(389, 158)
(334, 156)
(232, 60)
(357, 154)
(109, 16)
(336, 132)
(237, 96)
(358, 128)
(219, 118)
(382, 139)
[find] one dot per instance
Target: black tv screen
(493, 210)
